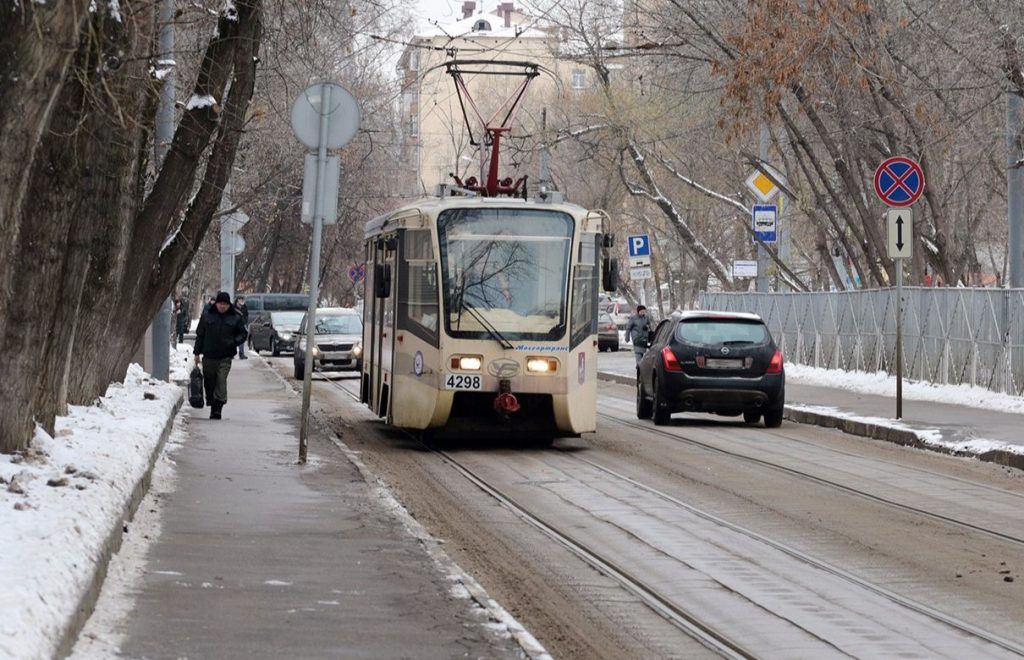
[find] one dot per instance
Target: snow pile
(882, 384)
(933, 437)
(181, 362)
(60, 500)
(196, 101)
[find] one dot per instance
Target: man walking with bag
(220, 331)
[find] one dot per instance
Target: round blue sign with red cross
(357, 273)
(899, 181)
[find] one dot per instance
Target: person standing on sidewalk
(220, 331)
(638, 331)
(244, 311)
(181, 317)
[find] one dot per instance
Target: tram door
(382, 324)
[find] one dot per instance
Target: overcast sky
(442, 11)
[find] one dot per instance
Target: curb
(905, 437)
(112, 544)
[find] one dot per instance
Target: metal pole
(1015, 185)
(314, 270)
(783, 246)
(761, 284)
(899, 339)
(163, 134)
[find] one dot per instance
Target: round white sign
(335, 103)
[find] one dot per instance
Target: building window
(481, 26)
(414, 126)
(414, 60)
(579, 79)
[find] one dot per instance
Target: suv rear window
(722, 331)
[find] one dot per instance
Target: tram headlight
(541, 365)
(467, 362)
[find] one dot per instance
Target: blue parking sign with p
(639, 246)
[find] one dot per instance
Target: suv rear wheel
(643, 405)
(660, 414)
(773, 419)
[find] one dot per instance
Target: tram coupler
(505, 403)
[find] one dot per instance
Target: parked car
(620, 311)
(275, 332)
(607, 333)
(260, 305)
(717, 362)
(337, 341)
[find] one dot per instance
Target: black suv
(717, 362)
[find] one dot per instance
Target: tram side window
(584, 291)
(418, 303)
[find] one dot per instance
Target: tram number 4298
(463, 382)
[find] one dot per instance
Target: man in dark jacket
(181, 317)
(638, 331)
(244, 311)
(220, 331)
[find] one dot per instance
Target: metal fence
(950, 335)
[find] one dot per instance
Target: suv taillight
(775, 366)
(668, 359)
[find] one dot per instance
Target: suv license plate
(463, 382)
(722, 363)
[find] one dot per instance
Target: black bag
(195, 388)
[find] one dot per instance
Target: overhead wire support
(492, 132)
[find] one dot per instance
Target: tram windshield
(504, 272)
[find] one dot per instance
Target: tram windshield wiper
(491, 330)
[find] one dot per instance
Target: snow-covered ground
(101, 638)
(882, 384)
(181, 362)
(60, 500)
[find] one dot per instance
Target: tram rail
(679, 437)
(693, 625)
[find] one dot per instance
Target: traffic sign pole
(314, 272)
(899, 182)
(761, 283)
(899, 339)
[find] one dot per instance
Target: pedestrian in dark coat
(244, 311)
(638, 331)
(221, 329)
(181, 318)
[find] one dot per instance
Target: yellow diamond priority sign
(762, 186)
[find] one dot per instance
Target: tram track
(672, 612)
(684, 619)
(678, 437)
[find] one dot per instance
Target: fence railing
(950, 335)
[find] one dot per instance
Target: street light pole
(160, 329)
(1015, 185)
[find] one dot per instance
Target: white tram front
(482, 313)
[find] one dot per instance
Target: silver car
(337, 342)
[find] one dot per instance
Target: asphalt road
(797, 541)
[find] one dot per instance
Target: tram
(480, 308)
(481, 312)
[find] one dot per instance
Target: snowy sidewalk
(261, 558)
(862, 404)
